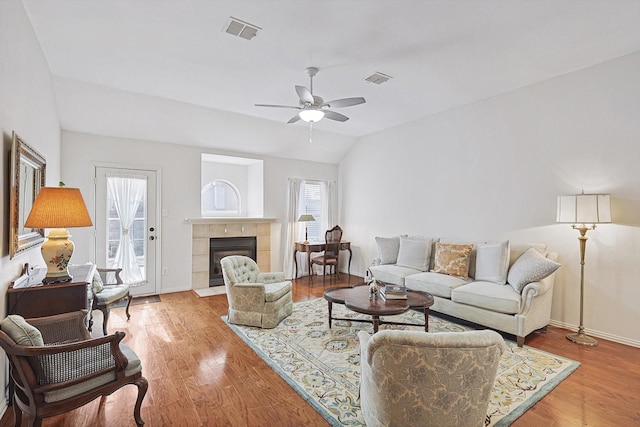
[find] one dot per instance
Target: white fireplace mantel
(230, 219)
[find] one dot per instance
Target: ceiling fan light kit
(312, 108)
(311, 116)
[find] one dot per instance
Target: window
(311, 203)
(220, 197)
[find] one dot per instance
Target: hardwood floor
(202, 374)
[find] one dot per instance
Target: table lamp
(583, 211)
(306, 218)
(58, 208)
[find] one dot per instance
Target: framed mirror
(28, 169)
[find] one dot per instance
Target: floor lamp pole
(580, 337)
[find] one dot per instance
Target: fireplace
(221, 247)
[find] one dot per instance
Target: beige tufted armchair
(413, 378)
(255, 299)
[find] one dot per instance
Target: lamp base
(57, 252)
(582, 339)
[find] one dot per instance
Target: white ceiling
(440, 53)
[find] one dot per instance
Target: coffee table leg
(426, 319)
(376, 323)
(330, 307)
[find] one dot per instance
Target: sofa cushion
(434, 283)
(492, 262)
(388, 248)
(518, 249)
(488, 295)
(20, 331)
(530, 267)
(452, 259)
(393, 274)
(414, 252)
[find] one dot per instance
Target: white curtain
(293, 228)
(127, 192)
(329, 197)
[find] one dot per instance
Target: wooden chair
(330, 256)
(56, 366)
(108, 292)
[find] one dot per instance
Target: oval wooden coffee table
(357, 298)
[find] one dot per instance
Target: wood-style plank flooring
(202, 374)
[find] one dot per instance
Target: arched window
(220, 198)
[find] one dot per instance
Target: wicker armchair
(108, 289)
(57, 367)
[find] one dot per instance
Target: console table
(28, 297)
(316, 247)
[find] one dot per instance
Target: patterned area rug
(323, 365)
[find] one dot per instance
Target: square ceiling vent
(378, 78)
(237, 27)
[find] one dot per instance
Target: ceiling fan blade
(277, 106)
(304, 94)
(294, 119)
(345, 102)
(335, 116)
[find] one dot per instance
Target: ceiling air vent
(378, 78)
(240, 28)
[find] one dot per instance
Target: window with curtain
(311, 203)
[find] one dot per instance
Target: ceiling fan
(313, 108)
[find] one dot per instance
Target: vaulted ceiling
(440, 54)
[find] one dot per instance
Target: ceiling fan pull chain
(310, 132)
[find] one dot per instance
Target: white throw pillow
(492, 262)
(414, 252)
(388, 248)
(530, 267)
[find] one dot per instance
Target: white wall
(27, 106)
(180, 166)
(492, 170)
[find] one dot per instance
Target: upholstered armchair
(108, 289)
(413, 378)
(255, 299)
(56, 366)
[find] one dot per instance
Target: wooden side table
(28, 297)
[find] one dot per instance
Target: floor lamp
(583, 211)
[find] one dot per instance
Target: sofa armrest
(273, 277)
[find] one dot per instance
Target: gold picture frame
(28, 171)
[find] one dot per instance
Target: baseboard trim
(598, 334)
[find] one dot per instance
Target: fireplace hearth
(220, 247)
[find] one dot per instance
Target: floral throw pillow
(452, 259)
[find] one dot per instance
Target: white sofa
(504, 287)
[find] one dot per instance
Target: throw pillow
(21, 332)
(492, 262)
(98, 284)
(530, 267)
(388, 248)
(414, 252)
(452, 259)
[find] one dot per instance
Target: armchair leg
(105, 315)
(17, 414)
(128, 304)
(142, 385)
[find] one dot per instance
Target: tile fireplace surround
(206, 228)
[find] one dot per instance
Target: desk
(316, 247)
(29, 298)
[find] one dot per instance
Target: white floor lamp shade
(583, 211)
